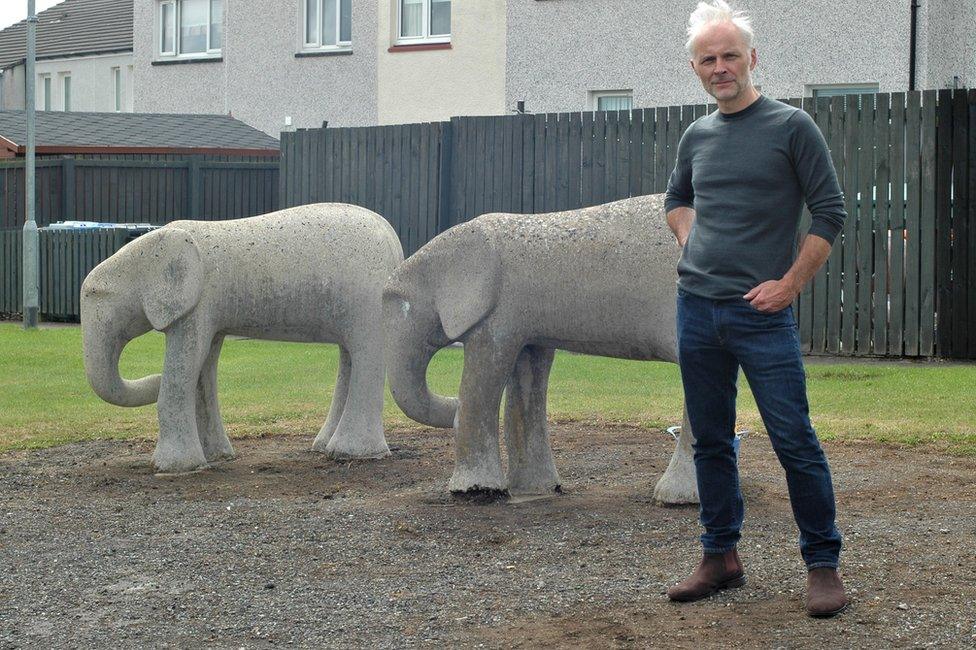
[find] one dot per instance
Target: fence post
(445, 182)
(284, 169)
(67, 189)
(195, 182)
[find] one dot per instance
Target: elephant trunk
(413, 336)
(102, 350)
(407, 371)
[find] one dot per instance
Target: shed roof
(60, 132)
(72, 28)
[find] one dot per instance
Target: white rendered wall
(426, 86)
(559, 50)
(259, 79)
(92, 83)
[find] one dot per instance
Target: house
(588, 55)
(84, 58)
(283, 64)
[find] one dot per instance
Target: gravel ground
(283, 547)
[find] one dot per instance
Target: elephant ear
(465, 275)
(174, 270)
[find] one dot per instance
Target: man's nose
(720, 67)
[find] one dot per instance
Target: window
(65, 92)
(117, 88)
(328, 23)
(834, 90)
(45, 88)
(424, 21)
(611, 100)
(190, 28)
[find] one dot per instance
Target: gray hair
(718, 11)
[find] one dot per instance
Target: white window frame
(834, 90)
(425, 38)
(593, 100)
(65, 79)
(117, 88)
(175, 53)
(45, 89)
(318, 45)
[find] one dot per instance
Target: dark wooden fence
(147, 191)
(66, 257)
(401, 172)
(155, 190)
(901, 280)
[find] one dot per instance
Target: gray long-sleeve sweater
(746, 175)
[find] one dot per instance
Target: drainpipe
(913, 46)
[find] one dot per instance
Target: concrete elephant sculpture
(311, 273)
(513, 288)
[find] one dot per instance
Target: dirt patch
(282, 546)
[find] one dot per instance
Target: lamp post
(31, 253)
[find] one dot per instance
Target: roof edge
(71, 55)
(200, 151)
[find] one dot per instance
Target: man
(734, 202)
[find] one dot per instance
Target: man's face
(723, 61)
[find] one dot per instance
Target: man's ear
(691, 62)
(754, 58)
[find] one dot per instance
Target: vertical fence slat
(849, 242)
(819, 303)
(622, 165)
(551, 163)
(587, 155)
(896, 311)
(599, 157)
(927, 228)
(575, 163)
(647, 152)
(879, 343)
(609, 179)
(912, 225)
(495, 171)
(970, 207)
(636, 152)
(835, 141)
(963, 255)
(563, 200)
(865, 223)
(661, 171)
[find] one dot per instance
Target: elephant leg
(359, 433)
(338, 402)
(487, 367)
(178, 448)
(531, 469)
(678, 485)
(210, 427)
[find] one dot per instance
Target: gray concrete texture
(259, 80)
(312, 273)
(513, 288)
(558, 51)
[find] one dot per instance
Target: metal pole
(31, 252)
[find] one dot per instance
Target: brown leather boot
(715, 571)
(825, 593)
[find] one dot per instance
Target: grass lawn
(270, 387)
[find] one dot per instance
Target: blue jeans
(715, 337)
